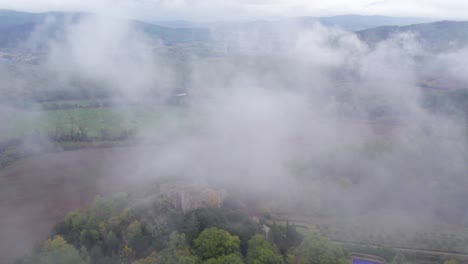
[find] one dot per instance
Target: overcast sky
(206, 10)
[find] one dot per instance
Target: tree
(126, 255)
(177, 251)
(191, 226)
(260, 251)
(209, 217)
(111, 243)
(58, 251)
(71, 227)
(451, 261)
(319, 250)
(134, 230)
(284, 237)
(228, 259)
(151, 259)
(138, 239)
(215, 243)
(399, 258)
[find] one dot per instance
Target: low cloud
(292, 114)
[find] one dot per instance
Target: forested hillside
(436, 37)
(151, 227)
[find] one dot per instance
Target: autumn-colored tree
(212, 198)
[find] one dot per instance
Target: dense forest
(153, 226)
(149, 228)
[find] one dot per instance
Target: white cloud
(245, 9)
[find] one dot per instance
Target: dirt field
(38, 192)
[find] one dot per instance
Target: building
(186, 197)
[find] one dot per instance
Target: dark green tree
(228, 259)
(177, 251)
(215, 243)
(260, 251)
(318, 250)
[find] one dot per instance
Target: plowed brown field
(37, 192)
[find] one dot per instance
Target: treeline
(43, 91)
(80, 134)
(56, 140)
(143, 230)
(66, 106)
(22, 147)
(74, 134)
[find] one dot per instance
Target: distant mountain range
(436, 37)
(16, 27)
(357, 22)
(346, 22)
(9, 19)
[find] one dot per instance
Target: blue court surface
(361, 261)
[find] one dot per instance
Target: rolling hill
(17, 27)
(346, 22)
(437, 37)
(358, 22)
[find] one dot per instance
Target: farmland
(124, 141)
(28, 132)
(93, 120)
(41, 190)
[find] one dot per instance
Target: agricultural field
(93, 120)
(412, 245)
(28, 132)
(39, 191)
(358, 233)
(288, 141)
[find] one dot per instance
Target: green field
(29, 132)
(94, 121)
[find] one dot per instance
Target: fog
(288, 110)
(312, 118)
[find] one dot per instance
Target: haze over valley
(144, 139)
